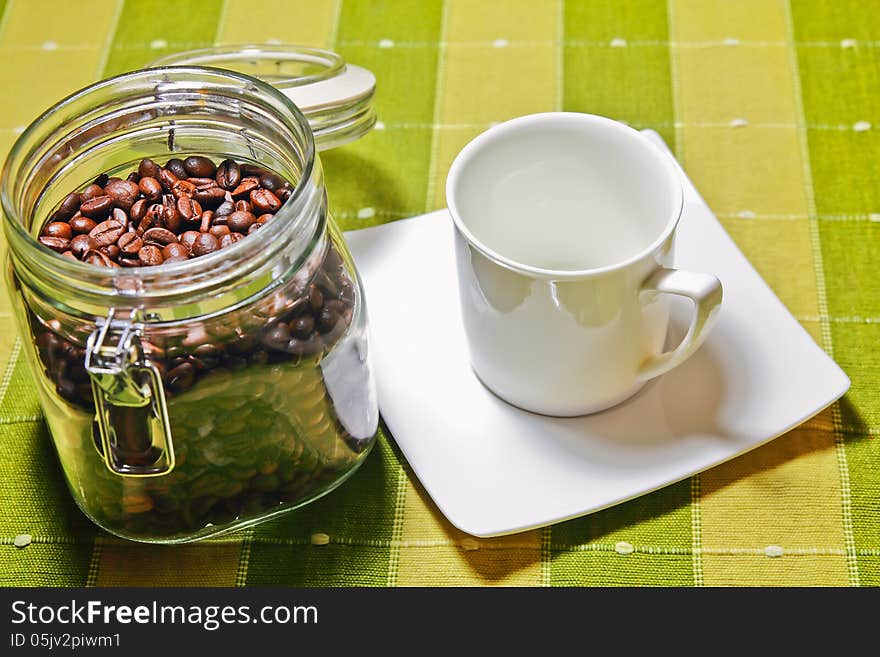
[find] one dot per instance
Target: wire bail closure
(130, 409)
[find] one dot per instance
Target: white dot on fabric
(738, 123)
(874, 216)
(773, 551)
(366, 213)
(22, 540)
(848, 43)
(730, 41)
(500, 43)
(49, 45)
(386, 43)
(320, 538)
(380, 125)
(861, 126)
(156, 44)
(469, 544)
(18, 129)
(623, 547)
(273, 42)
(618, 43)
(746, 214)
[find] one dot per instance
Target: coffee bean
(58, 229)
(183, 188)
(209, 196)
(97, 207)
(199, 166)
(175, 166)
(81, 244)
(204, 244)
(230, 239)
(167, 179)
(150, 255)
(59, 244)
(99, 259)
(111, 251)
(264, 218)
(252, 170)
(224, 209)
(68, 206)
(245, 187)
(207, 217)
(327, 319)
(228, 174)
(161, 236)
(153, 218)
(188, 208)
(218, 231)
(107, 232)
(303, 327)
(90, 192)
(180, 378)
(316, 299)
(130, 243)
(118, 214)
(101, 180)
(254, 227)
(150, 188)
(69, 254)
(174, 250)
(139, 210)
(284, 193)
(129, 261)
(264, 201)
(148, 168)
(277, 336)
(81, 225)
(240, 221)
(271, 181)
(180, 258)
(171, 217)
(123, 192)
(243, 206)
(188, 239)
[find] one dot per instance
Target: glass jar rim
(25, 246)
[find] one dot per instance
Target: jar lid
(335, 97)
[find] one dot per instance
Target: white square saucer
(494, 469)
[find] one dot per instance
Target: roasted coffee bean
(183, 188)
(69, 254)
(171, 217)
(59, 244)
(188, 208)
(161, 236)
(252, 170)
(99, 259)
(181, 378)
(209, 197)
(134, 177)
(271, 181)
(82, 225)
(277, 336)
(316, 299)
(265, 218)
(303, 327)
(203, 182)
(327, 319)
(228, 174)
(152, 219)
(207, 217)
(284, 193)
(107, 232)
(199, 166)
(123, 192)
(204, 244)
(150, 255)
(308, 347)
(97, 207)
(101, 180)
(150, 188)
(243, 206)
(180, 258)
(139, 210)
(118, 214)
(175, 166)
(82, 244)
(263, 200)
(254, 227)
(224, 209)
(111, 251)
(218, 231)
(188, 239)
(58, 229)
(130, 244)
(240, 221)
(148, 168)
(129, 261)
(245, 187)
(68, 206)
(174, 250)
(167, 179)
(230, 239)
(90, 192)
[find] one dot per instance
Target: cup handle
(705, 291)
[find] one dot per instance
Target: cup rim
(498, 131)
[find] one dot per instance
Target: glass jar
(179, 401)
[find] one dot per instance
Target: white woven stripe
(821, 293)
(438, 94)
(10, 369)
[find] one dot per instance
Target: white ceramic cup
(564, 230)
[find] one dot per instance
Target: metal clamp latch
(130, 408)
